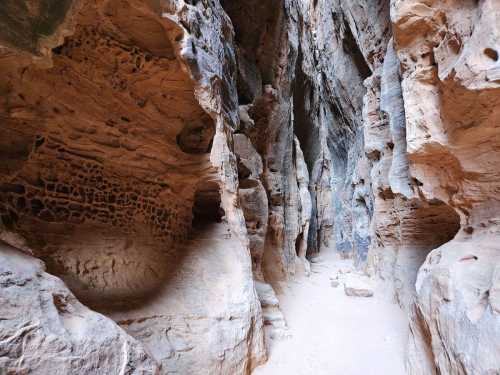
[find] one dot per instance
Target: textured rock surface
(45, 330)
(450, 88)
(432, 219)
(115, 165)
(176, 162)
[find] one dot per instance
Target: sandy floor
(332, 334)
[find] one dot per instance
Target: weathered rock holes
(8, 219)
(374, 155)
(110, 213)
(58, 50)
(91, 228)
(491, 53)
(196, 137)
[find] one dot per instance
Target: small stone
(334, 283)
(357, 287)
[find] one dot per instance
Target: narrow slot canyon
(221, 187)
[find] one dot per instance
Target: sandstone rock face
(174, 163)
(117, 173)
(430, 217)
(450, 88)
(46, 330)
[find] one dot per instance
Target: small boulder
(358, 287)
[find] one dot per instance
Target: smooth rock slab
(357, 287)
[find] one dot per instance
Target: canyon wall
(167, 165)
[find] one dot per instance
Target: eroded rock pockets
(108, 168)
(103, 150)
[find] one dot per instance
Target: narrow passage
(333, 334)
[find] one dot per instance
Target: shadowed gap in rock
(207, 205)
(425, 226)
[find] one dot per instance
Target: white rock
(358, 286)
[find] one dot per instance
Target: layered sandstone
(450, 87)
(117, 173)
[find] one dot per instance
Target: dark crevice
(256, 26)
(207, 205)
(298, 243)
(351, 47)
(303, 124)
(197, 137)
(22, 27)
